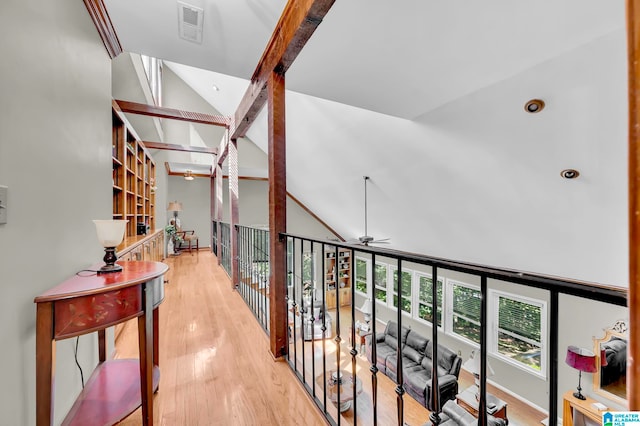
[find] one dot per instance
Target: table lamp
(582, 360)
(366, 310)
(110, 234)
(175, 207)
(472, 365)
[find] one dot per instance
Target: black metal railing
(225, 247)
(325, 335)
(253, 270)
(214, 237)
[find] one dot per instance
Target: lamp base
(109, 268)
(110, 260)
(579, 395)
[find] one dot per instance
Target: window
(153, 70)
(406, 289)
(465, 311)
(519, 330)
(308, 268)
(425, 310)
(380, 282)
(362, 273)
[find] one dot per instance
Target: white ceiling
(426, 97)
(398, 58)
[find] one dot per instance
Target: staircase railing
(331, 370)
(253, 267)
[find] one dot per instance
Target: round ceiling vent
(534, 106)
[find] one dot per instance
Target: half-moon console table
(87, 303)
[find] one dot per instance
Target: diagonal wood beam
(296, 25)
(173, 114)
(102, 21)
(176, 147)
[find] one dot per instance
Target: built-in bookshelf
(338, 278)
(134, 175)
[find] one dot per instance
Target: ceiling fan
(366, 239)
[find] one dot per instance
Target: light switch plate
(3, 204)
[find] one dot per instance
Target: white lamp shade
(472, 365)
(366, 307)
(110, 232)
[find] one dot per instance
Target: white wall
(196, 205)
(254, 210)
(478, 180)
(55, 157)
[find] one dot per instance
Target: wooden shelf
(133, 175)
(110, 395)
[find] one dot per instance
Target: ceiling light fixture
(216, 88)
(569, 173)
(188, 175)
(534, 106)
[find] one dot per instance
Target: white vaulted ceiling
(426, 97)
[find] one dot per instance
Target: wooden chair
(188, 237)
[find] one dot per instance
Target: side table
(467, 400)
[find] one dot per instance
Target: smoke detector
(190, 19)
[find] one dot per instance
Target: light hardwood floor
(216, 368)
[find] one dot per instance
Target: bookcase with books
(337, 278)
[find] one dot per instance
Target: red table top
(132, 273)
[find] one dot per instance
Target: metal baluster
(374, 344)
(400, 378)
(435, 393)
(353, 352)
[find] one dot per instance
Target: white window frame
(448, 321)
(369, 280)
(415, 309)
(493, 306)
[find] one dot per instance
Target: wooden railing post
(277, 214)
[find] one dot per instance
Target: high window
(362, 274)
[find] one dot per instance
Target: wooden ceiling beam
(102, 21)
(176, 147)
(296, 25)
(173, 114)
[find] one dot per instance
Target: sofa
(453, 414)
(417, 355)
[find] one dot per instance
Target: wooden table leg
(145, 342)
(567, 414)
(102, 345)
(45, 360)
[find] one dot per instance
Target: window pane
(361, 275)
(519, 350)
(468, 329)
(425, 310)
(380, 282)
(466, 312)
(406, 303)
(519, 331)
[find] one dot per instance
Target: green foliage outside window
(380, 282)
(520, 331)
(361, 275)
(406, 290)
(425, 310)
(466, 312)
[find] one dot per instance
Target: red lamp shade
(581, 359)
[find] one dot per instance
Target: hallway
(216, 368)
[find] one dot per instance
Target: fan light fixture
(188, 175)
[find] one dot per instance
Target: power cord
(80, 273)
(77, 363)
